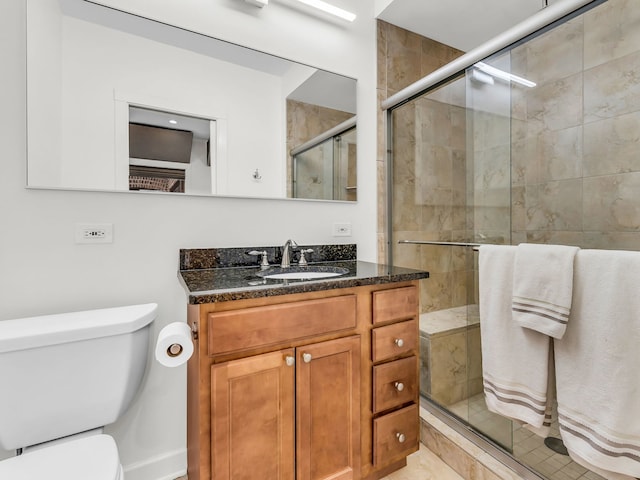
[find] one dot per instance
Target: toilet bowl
(64, 377)
(89, 458)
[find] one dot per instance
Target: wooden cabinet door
(252, 418)
(328, 410)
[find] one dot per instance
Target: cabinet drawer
(395, 383)
(270, 325)
(394, 340)
(395, 435)
(395, 304)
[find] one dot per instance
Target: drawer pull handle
(289, 360)
(399, 386)
(400, 436)
(399, 342)
(306, 357)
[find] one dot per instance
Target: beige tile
(435, 292)
(381, 41)
(555, 105)
(555, 205)
(612, 89)
(381, 169)
(611, 145)
(448, 451)
(424, 465)
(613, 204)
(602, 43)
(612, 240)
(561, 154)
(437, 218)
(556, 53)
(576, 238)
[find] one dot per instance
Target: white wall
(99, 61)
(43, 271)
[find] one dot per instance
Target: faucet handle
(303, 261)
(264, 262)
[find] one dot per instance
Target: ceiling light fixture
(173, 122)
(501, 74)
(328, 8)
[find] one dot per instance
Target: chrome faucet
(286, 262)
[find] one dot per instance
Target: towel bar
(475, 246)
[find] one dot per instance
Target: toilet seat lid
(94, 457)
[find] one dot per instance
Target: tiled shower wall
(403, 58)
(305, 122)
(576, 136)
(560, 165)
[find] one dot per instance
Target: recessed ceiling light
(173, 122)
(328, 8)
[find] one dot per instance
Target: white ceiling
(463, 24)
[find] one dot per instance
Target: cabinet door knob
(399, 342)
(289, 360)
(306, 357)
(400, 436)
(399, 386)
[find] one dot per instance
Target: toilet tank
(67, 373)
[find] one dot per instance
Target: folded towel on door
(598, 364)
(515, 360)
(542, 287)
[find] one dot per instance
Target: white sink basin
(302, 273)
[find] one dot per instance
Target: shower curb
(470, 455)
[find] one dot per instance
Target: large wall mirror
(116, 102)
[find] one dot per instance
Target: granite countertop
(222, 284)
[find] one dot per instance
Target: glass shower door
(488, 100)
(450, 183)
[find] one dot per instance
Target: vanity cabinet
(304, 386)
(394, 364)
(262, 403)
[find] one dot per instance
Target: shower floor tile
(528, 448)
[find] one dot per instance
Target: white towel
(542, 287)
(598, 364)
(515, 360)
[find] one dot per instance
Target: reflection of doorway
(168, 152)
(156, 179)
(205, 170)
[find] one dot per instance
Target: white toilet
(62, 378)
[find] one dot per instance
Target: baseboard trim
(168, 466)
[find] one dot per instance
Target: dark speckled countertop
(210, 281)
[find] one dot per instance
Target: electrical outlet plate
(342, 229)
(93, 233)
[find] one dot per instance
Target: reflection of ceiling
(177, 37)
(199, 126)
(327, 90)
(463, 24)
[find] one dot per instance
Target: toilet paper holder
(194, 330)
(176, 349)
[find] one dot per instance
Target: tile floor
(528, 448)
(422, 465)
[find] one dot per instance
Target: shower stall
(533, 137)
